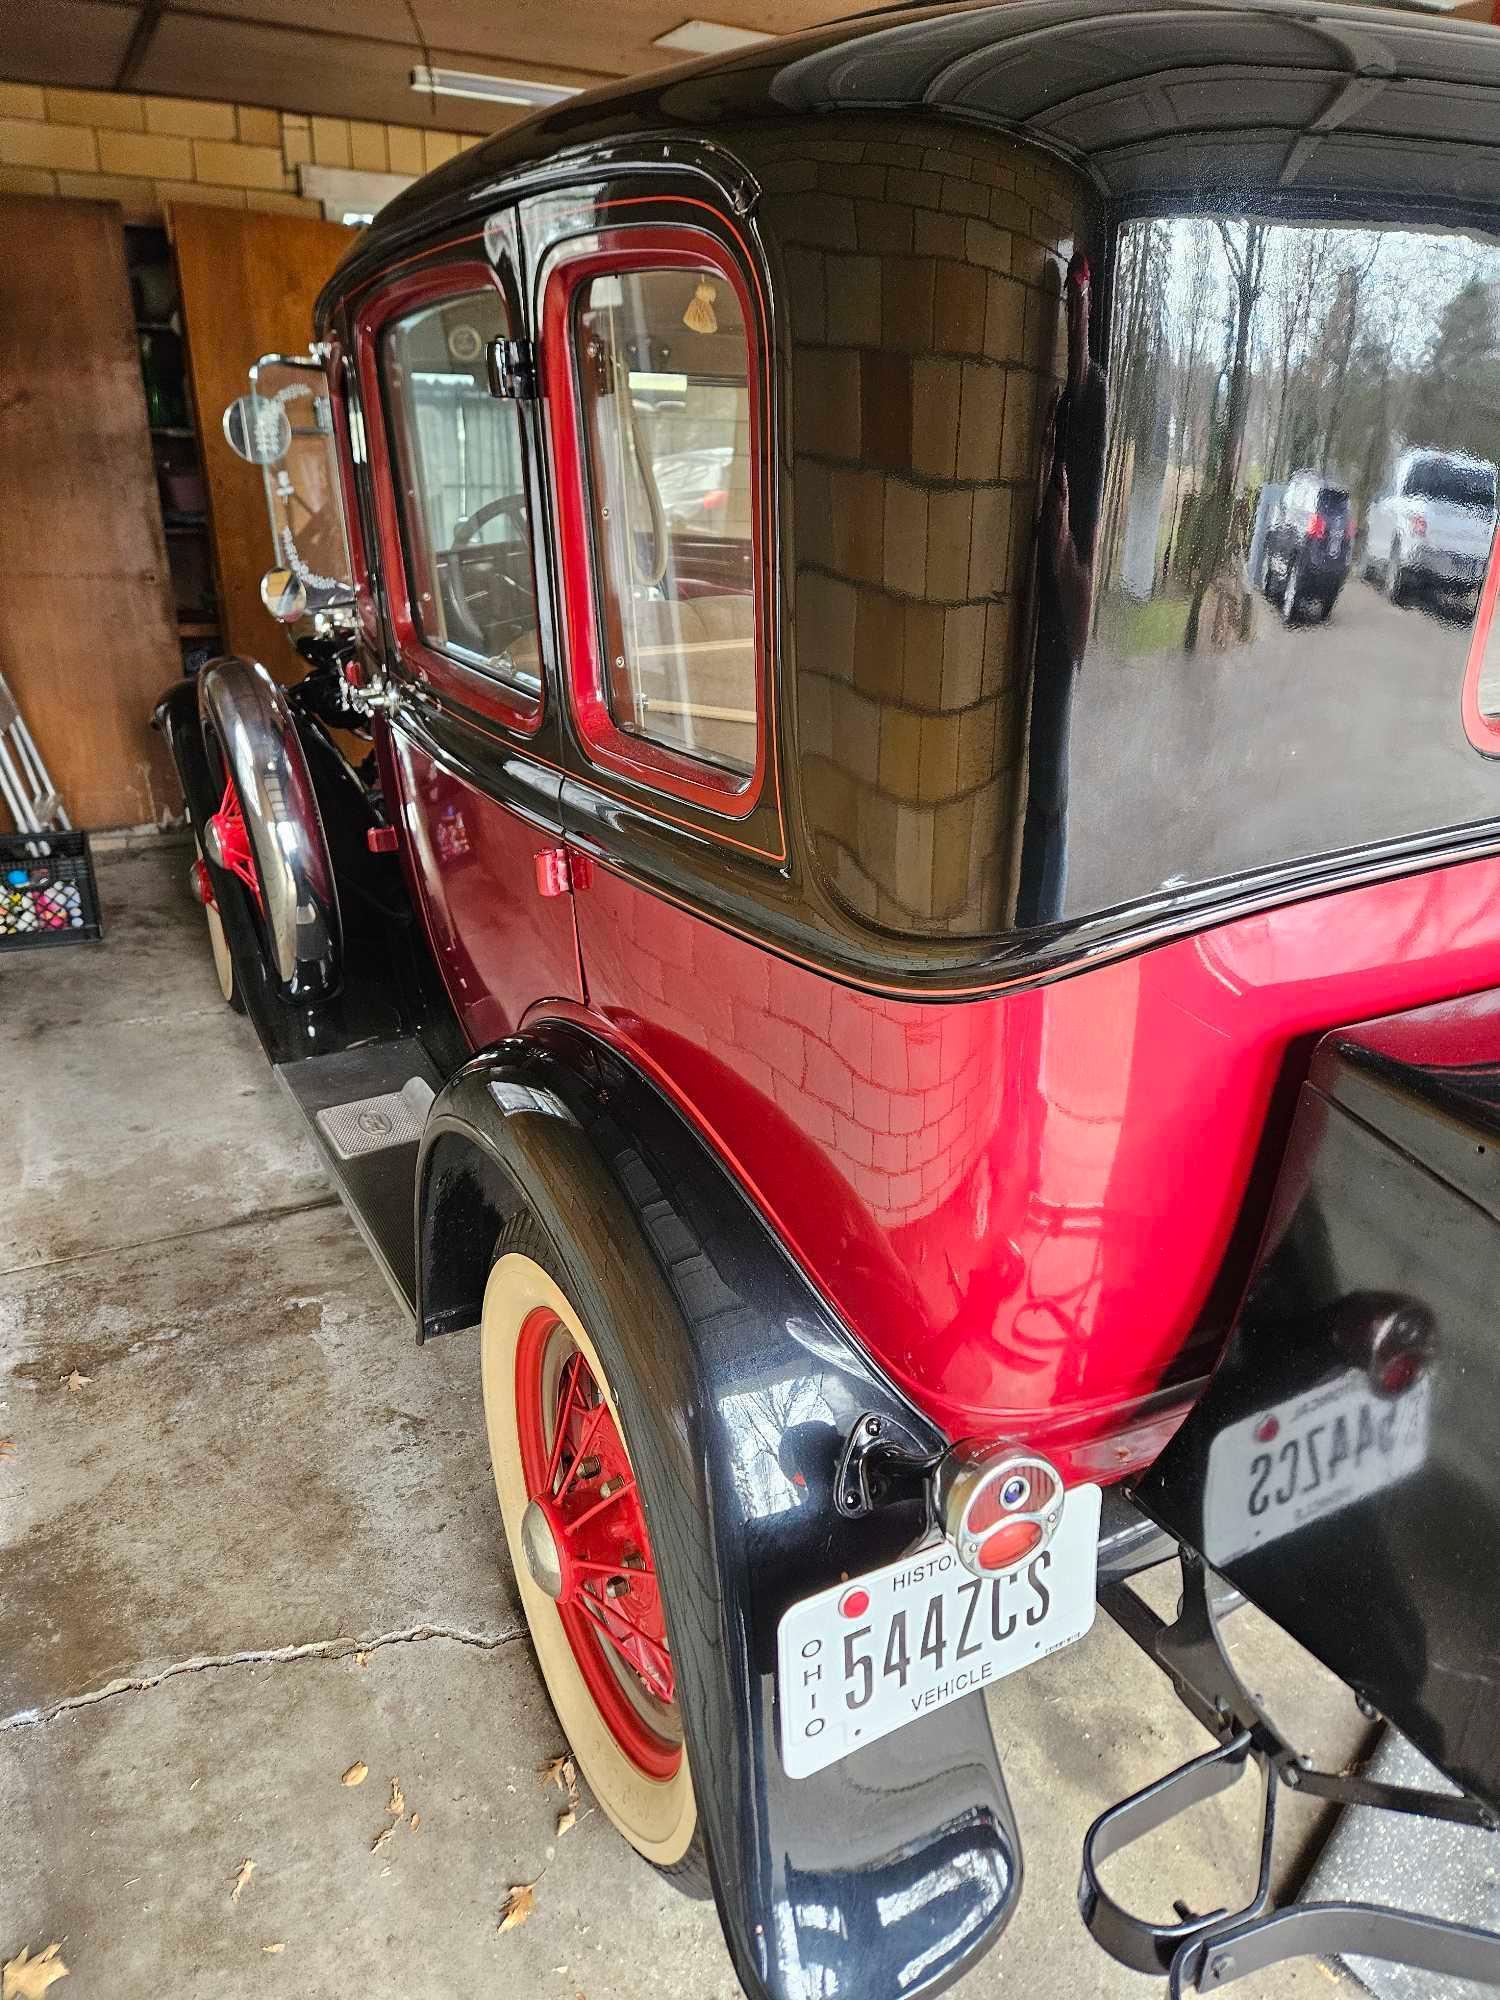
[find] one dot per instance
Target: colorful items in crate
(31, 900)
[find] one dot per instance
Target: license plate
(1298, 1460)
(863, 1657)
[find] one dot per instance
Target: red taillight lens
(1419, 525)
(1318, 528)
(1009, 1545)
(1398, 1374)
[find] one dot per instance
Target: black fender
(889, 1873)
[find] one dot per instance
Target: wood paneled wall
(88, 637)
(248, 284)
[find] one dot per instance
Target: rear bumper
(1461, 572)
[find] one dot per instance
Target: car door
(473, 747)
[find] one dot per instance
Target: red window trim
(509, 704)
(641, 247)
(1483, 731)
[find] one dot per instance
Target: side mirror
(258, 430)
(284, 594)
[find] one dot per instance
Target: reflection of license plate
(1311, 1455)
(863, 1657)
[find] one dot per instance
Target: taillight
(999, 1504)
(1317, 528)
(1419, 525)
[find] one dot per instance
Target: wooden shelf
(196, 628)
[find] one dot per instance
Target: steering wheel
(459, 602)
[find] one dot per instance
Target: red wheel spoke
(233, 842)
(600, 1613)
(590, 1432)
(564, 1411)
(625, 1486)
(576, 1462)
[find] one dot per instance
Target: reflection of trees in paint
(1456, 406)
(1245, 253)
(1243, 351)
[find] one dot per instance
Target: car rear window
(1460, 485)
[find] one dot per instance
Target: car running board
(1203, 1954)
(365, 1107)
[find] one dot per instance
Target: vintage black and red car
(937, 1043)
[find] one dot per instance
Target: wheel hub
(544, 1560)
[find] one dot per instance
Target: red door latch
(559, 873)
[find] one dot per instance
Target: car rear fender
(886, 1874)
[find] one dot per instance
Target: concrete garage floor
(259, 1542)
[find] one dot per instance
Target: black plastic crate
(47, 891)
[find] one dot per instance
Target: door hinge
(559, 873)
(512, 369)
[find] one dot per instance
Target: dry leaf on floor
(355, 1775)
(383, 1836)
(361, 1659)
(273, 1947)
(247, 1869)
(7, 1448)
(75, 1381)
(519, 1905)
(560, 1771)
(27, 1978)
(396, 1803)
(566, 1822)
(415, 1821)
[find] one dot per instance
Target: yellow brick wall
(144, 152)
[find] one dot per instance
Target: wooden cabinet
(247, 285)
(88, 638)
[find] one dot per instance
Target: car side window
(665, 385)
(462, 486)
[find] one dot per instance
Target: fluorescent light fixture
(710, 38)
(488, 89)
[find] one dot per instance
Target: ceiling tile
(77, 42)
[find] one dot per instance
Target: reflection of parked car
(1308, 547)
(1434, 527)
(694, 483)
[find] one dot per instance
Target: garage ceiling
(297, 55)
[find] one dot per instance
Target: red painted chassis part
(583, 1481)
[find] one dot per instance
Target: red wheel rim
(579, 1477)
(232, 842)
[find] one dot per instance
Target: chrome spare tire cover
(242, 708)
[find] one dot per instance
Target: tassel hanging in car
(700, 316)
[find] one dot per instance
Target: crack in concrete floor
(274, 1656)
(253, 1219)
